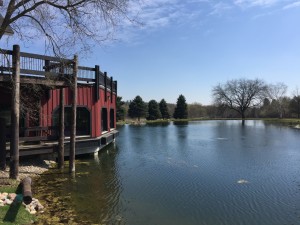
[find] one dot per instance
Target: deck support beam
(15, 114)
(61, 149)
(2, 144)
(73, 116)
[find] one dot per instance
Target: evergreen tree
(137, 108)
(181, 111)
(295, 106)
(120, 109)
(164, 109)
(153, 111)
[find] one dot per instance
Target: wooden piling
(97, 82)
(27, 193)
(2, 144)
(105, 86)
(61, 150)
(111, 89)
(73, 116)
(15, 114)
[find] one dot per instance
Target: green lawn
(14, 213)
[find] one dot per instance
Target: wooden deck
(84, 145)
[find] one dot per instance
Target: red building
(42, 80)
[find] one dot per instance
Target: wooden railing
(38, 133)
(41, 66)
(50, 133)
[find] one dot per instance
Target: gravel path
(31, 167)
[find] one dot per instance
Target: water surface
(204, 173)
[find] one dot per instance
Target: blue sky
(187, 47)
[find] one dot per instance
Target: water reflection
(206, 173)
(91, 197)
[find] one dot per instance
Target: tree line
(152, 110)
(238, 98)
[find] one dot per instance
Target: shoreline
(29, 167)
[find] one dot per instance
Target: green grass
(14, 213)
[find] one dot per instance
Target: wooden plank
(53, 83)
(38, 138)
(85, 79)
(44, 57)
(5, 51)
(86, 68)
(38, 72)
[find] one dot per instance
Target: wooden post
(105, 86)
(73, 117)
(97, 81)
(111, 89)
(15, 114)
(27, 193)
(2, 144)
(116, 88)
(61, 150)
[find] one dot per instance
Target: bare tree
(240, 94)
(65, 25)
(276, 92)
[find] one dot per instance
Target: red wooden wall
(86, 98)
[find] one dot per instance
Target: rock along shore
(30, 167)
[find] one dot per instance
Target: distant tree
(240, 94)
(295, 103)
(195, 110)
(181, 111)
(153, 110)
(267, 109)
(120, 109)
(137, 108)
(163, 107)
(276, 92)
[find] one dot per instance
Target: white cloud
(292, 5)
(155, 13)
(220, 8)
(252, 3)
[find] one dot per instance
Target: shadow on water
(181, 123)
(159, 124)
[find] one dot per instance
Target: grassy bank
(14, 213)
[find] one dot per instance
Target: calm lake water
(204, 173)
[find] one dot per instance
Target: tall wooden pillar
(15, 114)
(2, 144)
(97, 82)
(61, 149)
(105, 86)
(73, 116)
(111, 89)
